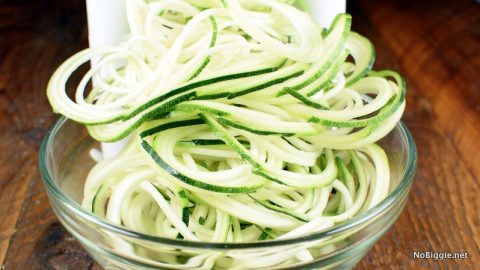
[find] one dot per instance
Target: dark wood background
(435, 44)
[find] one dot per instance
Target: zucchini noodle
(247, 122)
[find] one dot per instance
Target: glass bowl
(65, 162)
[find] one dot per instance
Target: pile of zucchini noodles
(245, 121)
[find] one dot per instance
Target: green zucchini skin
(194, 182)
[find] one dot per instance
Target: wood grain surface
(435, 44)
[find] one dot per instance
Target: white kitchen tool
(107, 25)
(324, 11)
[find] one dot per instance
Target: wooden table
(435, 44)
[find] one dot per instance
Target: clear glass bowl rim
(387, 203)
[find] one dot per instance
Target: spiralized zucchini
(247, 121)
